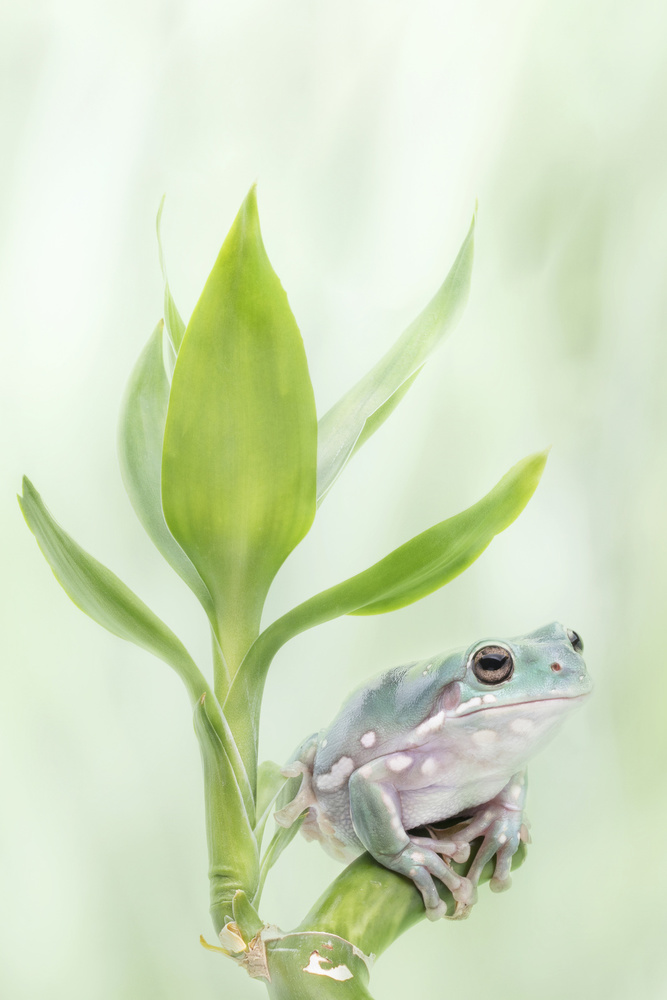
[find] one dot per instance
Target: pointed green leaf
(436, 556)
(238, 468)
(140, 434)
(232, 848)
(441, 553)
(246, 917)
(359, 413)
(284, 835)
(270, 783)
(407, 574)
(172, 317)
(101, 595)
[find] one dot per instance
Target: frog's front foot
(422, 865)
(502, 825)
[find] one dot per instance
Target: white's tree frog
(447, 737)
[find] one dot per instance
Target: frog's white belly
(438, 802)
(472, 760)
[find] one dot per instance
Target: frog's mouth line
(486, 707)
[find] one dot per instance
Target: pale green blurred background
(372, 128)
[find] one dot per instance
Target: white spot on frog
(368, 739)
(521, 726)
(485, 737)
(399, 762)
(470, 703)
(323, 743)
(488, 698)
(502, 839)
(366, 771)
(335, 778)
(389, 803)
(339, 972)
(431, 725)
(430, 766)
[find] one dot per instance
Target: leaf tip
(249, 208)
(540, 457)
(158, 230)
(28, 491)
(158, 217)
(533, 466)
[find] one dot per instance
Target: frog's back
(372, 722)
(375, 718)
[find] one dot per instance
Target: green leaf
(172, 317)
(246, 916)
(239, 459)
(407, 574)
(427, 561)
(140, 435)
(283, 836)
(359, 413)
(232, 848)
(270, 783)
(441, 553)
(431, 559)
(102, 596)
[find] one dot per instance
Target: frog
(443, 739)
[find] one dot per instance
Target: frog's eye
(492, 664)
(576, 640)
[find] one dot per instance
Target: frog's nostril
(556, 667)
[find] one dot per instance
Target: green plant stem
(366, 908)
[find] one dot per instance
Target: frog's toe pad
(461, 854)
(466, 893)
(500, 884)
(437, 912)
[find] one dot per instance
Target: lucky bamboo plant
(226, 463)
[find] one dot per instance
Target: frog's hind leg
(376, 815)
(502, 825)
